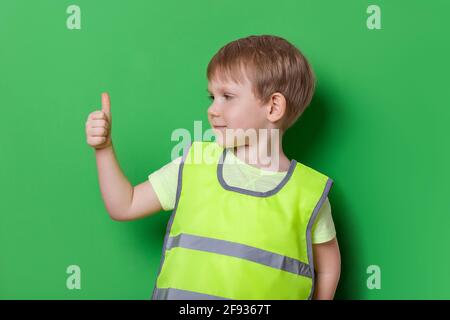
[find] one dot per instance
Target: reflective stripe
(309, 232)
(239, 250)
(178, 294)
(271, 192)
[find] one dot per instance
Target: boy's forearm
(325, 286)
(327, 262)
(117, 192)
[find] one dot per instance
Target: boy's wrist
(107, 149)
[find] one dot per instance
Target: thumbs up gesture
(98, 125)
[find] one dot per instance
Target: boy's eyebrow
(223, 89)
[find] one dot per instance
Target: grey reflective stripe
(172, 216)
(240, 250)
(309, 229)
(219, 173)
(178, 294)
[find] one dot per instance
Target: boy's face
(234, 107)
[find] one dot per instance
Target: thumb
(106, 105)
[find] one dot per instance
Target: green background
(377, 126)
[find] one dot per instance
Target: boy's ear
(276, 107)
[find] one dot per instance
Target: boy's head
(258, 82)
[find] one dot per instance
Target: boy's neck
(264, 155)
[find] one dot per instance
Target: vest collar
(251, 192)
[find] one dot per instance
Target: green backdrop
(377, 125)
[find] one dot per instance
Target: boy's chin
(226, 144)
(222, 143)
(229, 140)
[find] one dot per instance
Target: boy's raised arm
(122, 200)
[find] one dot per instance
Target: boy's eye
(225, 95)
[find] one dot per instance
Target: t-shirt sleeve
(165, 181)
(323, 228)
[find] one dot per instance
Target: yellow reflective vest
(226, 242)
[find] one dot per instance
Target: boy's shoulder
(313, 178)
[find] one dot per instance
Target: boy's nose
(213, 111)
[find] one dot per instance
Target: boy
(237, 231)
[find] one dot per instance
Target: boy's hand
(98, 125)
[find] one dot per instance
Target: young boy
(237, 231)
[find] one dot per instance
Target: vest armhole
(325, 192)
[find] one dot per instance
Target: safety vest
(226, 242)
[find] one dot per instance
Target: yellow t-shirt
(239, 174)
